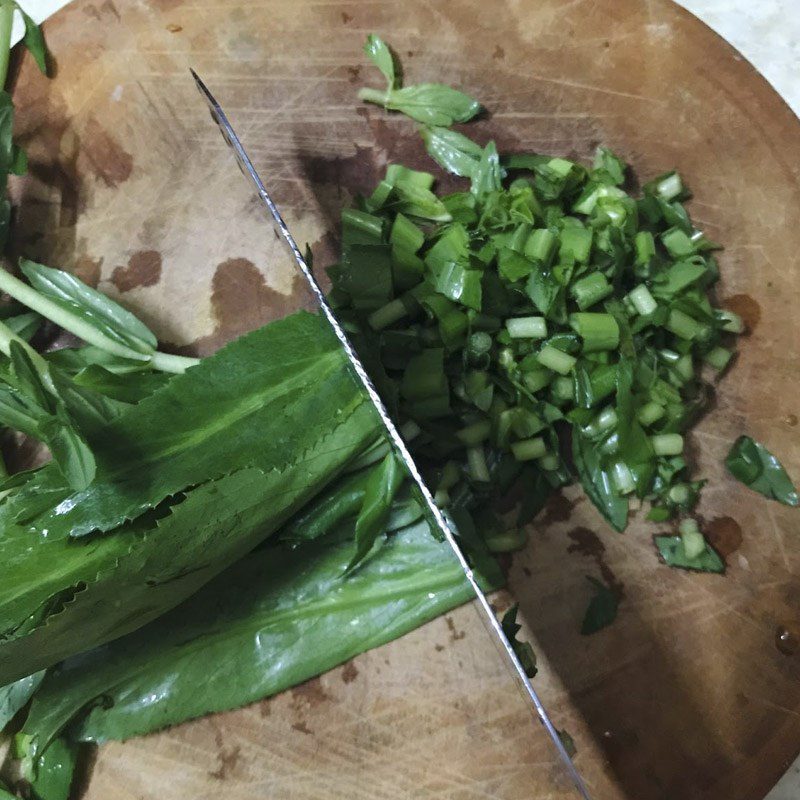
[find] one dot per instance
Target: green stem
(373, 96)
(6, 23)
(167, 362)
(43, 305)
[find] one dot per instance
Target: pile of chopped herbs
(543, 324)
(208, 533)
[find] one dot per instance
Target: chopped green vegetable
(673, 550)
(752, 464)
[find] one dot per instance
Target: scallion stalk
(667, 444)
(642, 300)
(682, 325)
(622, 478)
(598, 331)
(718, 357)
(387, 315)
(556, 360)
(529, 449)
(649, 413)
(476, 464)
(526, 327)
(474, 434)
(591, 289)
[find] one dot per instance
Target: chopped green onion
(556, 359)
(650, 412)
(536, 380)
(731, 321)
(507, 541)
(541, 246)
(591, 289)
(622, 477)
(529, 449)
(642, 300)
(645, 247)
(442, 498)
(526, 327)
(562, 388)
(409, 430)
(677, 243)
(683, 325)
(387, 315)
(598, 331)
(668, 186)
(694, 543)
(476, 464)
(474, 434)
(718, 357)
(667, 444)
(679, 493)
(550, 462)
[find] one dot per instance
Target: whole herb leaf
(288, 620)
(431, 104)
(523, 650)
(671, 549)
(56, 586)
(34, 41)
(170, 441)
(379, 493)
(602, 608)
(752, 464)
(382, 57)
(99, 311)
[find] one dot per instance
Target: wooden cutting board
(692, 693)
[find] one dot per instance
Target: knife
(249, 171)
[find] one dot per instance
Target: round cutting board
(692, 693)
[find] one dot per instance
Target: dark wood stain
(241, 301)
(725, 535)
(311, 693)
(354, 73)
(346, 17)
(349, 672)
(101, 155)
(499, 54)
(746, 307)
(88, 270)
(790, 420)
(144, 269)
(438, 648)
(264, 708)
(227, 758)
(303, 728)
(587, 543)
(455, 635)
(173, 28)
(557, 509)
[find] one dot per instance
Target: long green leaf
(270, 621)
(95, 308)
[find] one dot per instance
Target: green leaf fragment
(752, 464)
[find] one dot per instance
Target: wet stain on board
(349, 672)
(144, 269)
(746, 307)
(241, 301)
(587, 543)
(311, 693)
(724, 534)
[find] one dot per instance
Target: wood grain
(687, 695)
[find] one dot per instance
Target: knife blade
(249, 171)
